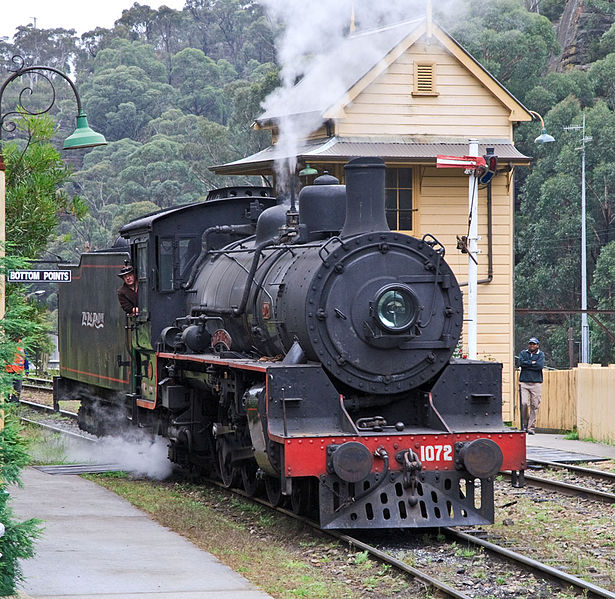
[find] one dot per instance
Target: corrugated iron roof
(338, 149)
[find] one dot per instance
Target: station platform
(96, 544)
(554, 448)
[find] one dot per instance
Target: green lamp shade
(308, 170)
(84, 137)
(544, 138)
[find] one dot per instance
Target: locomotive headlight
(396, 308)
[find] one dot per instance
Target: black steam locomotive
(308, 350)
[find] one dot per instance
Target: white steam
(137, 453)
(312, 32)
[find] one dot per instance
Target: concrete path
(558, 442)
(96, 544)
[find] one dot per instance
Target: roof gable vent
(424, 79)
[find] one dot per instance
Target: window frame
(411, 187)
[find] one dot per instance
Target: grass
(45, 447)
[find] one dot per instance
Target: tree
(122, 100)
(603, 289)
(548, 270)
(18, 540)
(34, 172)
(510, 42)
(34, 202)
(602, 75)
(51, 47)
(197, 77)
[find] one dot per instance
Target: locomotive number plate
(436, 453)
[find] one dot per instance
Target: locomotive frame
(308, 351)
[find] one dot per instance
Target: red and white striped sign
(459, 161)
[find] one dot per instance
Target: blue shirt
(531, 373)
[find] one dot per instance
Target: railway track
(590, 472)
(562, 579)
(540, 570)
(41, 384)
(573, 489)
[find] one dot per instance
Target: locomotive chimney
(364, 197)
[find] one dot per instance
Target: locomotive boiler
(311, 351)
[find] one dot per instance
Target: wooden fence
(583, 397)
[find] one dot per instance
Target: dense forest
(175, 92)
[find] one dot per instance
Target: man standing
(17, 368)
(531, 361)
(127, 293)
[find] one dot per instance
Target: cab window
(165, 264)
(188, 248)
(142, 278)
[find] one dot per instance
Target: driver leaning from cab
(127, 294)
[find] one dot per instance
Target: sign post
(476, 167)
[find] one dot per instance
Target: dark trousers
(17, 390)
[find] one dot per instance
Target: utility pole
(584, 358)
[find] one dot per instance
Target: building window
(398, 191)
(424, 79)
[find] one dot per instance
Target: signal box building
(416, 96)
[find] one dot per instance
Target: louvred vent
(424, 80)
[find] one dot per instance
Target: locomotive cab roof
(147, 222)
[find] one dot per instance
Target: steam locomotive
(309, 351)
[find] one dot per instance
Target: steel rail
(377, 553)
(602, 474)
(57, 429)
(43, 408)
(554, 574)
(567, 488)
(400, 565)
(562, 578)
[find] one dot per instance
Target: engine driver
(127, 294)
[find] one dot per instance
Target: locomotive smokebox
(365, 208)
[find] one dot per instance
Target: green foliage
(552, 9)
(17, 542)
(547, 274)
(510, 42)
(198, 78)
(127, 89)
(34, 172)
(602, 75)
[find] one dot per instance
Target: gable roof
(359, 59)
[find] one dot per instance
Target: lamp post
(83, 137)
(584, 324)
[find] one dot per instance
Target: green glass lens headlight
(396, 308)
